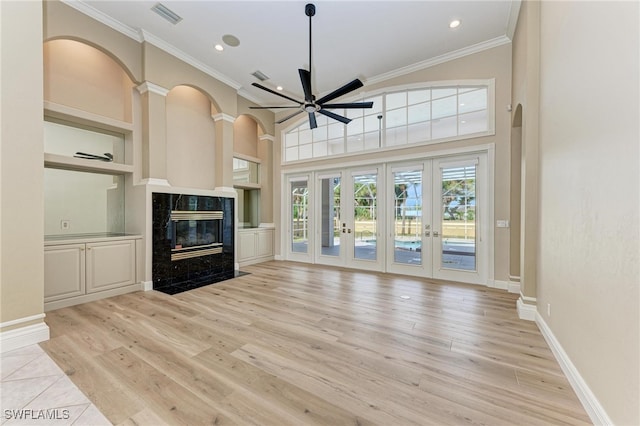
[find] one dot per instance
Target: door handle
(436, 234)
(349, 230)
(427, 233)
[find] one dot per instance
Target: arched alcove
(191, 137)
(81, 76)
(245, 135)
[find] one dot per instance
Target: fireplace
(196, 233)
(193, 241)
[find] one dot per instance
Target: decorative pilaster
(154, 133)
(224, 151)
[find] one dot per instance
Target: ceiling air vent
(260, 75)
(166, 13)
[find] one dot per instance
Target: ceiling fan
(310, 104)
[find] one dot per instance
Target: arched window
(399, 117)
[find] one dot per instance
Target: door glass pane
(365, 215)
(458, 244)
(407, 225)
(299, 217)
(330, 216)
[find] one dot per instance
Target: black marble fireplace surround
(178, 275)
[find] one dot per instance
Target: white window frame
(490, 131)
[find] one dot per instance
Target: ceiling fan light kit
(310, 104)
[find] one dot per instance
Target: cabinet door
(64, 271)
(110, 265)
(265, 243)
(246, 245)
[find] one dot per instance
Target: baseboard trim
(91, 297)
(21, 320)
(147, 285)
(278, 257)
(23, 336)
(592, 406)
(501, 285)
(525, 311)
(257, 260)
(513, 287)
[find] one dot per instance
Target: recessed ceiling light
(279, 88)
(231, 40)
(454, 23)
(219, 47)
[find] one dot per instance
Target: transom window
(398, 118)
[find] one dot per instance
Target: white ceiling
(370, 40)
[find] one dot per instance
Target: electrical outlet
(65, 224)
(548, 309)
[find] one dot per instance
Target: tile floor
(35, 391)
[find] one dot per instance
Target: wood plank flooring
(297, 344)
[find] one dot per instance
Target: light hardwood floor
(303, 344)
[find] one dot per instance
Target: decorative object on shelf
(310, 105)
(105, 157)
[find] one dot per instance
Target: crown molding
(224, 117)
(174, 51)
(148, 86)
(248, 96)
(144, 36)
(456, 54)
(103, 18)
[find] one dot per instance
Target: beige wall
(492, 63)
(21, 160)
(190, 139)
(589, 174)
(525, 102)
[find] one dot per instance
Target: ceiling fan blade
(259, 86)
(345, 120)
(269, 107)
(312, 120)
(349, 87)
(289, 116)
(350, 105)
(305, 78)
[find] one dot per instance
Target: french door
(348, 218)
(425, 218)
(437, 215)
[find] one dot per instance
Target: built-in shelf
(55, 161)
(247, 185)
(78, 116)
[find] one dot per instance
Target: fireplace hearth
(193, 241)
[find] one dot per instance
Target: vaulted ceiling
(370, 40)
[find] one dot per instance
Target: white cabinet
(81, 272)
(64, 271)
(110, 265)
(255, 245)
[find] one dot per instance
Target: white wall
(589, 203)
